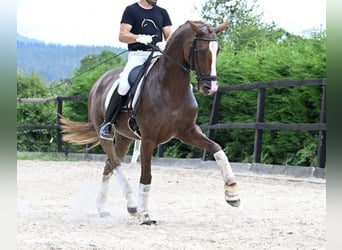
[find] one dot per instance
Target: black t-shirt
(147, 22)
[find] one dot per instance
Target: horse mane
(185, 27)
(179, 31)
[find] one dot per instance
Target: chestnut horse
(167, 109)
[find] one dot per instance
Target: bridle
(193, 59)
(194, 62)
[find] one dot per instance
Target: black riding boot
(112, 112)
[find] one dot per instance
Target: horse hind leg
(115, 154)
(126, 191)
(121, 147)
(111, 163)
(101, 201)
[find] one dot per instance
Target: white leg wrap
(226, 169)
(101, 200)
(125, 187)
(143, 194)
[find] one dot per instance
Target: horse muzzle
(208, 84)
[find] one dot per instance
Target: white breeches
(134, 59)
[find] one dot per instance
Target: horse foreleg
(195, 137)
(143, 213)
(145, 184)
(231, 188)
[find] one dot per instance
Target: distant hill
(23, 39)
(53, 62)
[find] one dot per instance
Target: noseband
(194, 62)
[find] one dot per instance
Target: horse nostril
(207, 85)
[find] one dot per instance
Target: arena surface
(56, 210)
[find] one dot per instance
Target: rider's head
(152, 2)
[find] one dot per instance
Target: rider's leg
(111, 114)
(134, 59)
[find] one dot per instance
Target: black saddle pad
(136, 74)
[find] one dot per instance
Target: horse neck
(178, 41)
(175, 69)
(175, 64)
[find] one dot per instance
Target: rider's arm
(167, 32)
(125, 34)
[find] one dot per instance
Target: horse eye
(202, 49)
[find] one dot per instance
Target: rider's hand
(145, 39)
(161, 45)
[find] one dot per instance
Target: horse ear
(221, 27)
(195, 28)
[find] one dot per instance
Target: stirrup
(105, 131)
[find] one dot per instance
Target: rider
(142, 23)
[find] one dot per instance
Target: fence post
(213, 120)
(59, 135)
(321, 151)
(259, 118)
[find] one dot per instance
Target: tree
(244, 19)
(291, 58)
(91, 69)
(34, 114)
(236, 12)
(33, 86)
(256, 52)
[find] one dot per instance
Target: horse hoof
(235, 203)
(149, 222)
(144, 219)
(105, 214)
(132, 210)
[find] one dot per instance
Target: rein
(170, 58)
(103, 62)
(190, 68)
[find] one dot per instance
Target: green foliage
(35, 114)
(43, 156)
(30, 86)
(307, 156)
(244, 18)
(92, 68)
(33, 86)
(256, 52)
(291, 58)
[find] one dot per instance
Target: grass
(44, 156)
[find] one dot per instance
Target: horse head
(202, 54)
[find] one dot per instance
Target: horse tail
(79, 133)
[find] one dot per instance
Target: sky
(97, 22)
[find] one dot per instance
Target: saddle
(136, 80)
